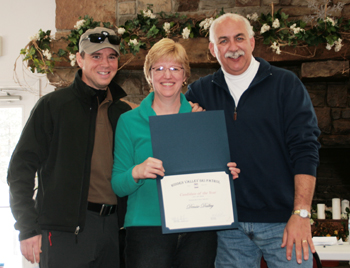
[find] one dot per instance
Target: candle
(344, 205)
(336, 208)
(321, 211)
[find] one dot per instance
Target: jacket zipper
(250, 86)
(77, 229)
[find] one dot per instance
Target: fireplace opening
(333, 176)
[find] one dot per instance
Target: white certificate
(197, 200)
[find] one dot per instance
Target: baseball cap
(98, 38)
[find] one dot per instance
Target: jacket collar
(86, 92)
(263, 72)
(146, 109)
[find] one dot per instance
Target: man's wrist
(304, 213)
(26, 235)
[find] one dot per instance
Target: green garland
(276, 30)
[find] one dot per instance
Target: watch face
(303, 213)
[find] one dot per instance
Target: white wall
(20, 19)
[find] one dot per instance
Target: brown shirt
(100, 190)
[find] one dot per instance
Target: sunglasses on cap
(100, 38)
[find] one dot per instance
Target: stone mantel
(325, 75)
(200, 57)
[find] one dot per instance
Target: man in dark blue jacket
(68, 142)
(272, 129)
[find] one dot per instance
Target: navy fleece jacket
(273, 138)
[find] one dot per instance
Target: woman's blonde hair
(168, 49)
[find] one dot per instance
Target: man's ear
(252, 43)
(211, 48)
(79, 59)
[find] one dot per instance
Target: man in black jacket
(68, 143)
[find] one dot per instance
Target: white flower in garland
(264, 28)
(328, 19)
(47, 54)
(133, 42)
(295, 29)
(338, 45)
(72, 59)
(186, 33)
(166, 27)
(121, 30)
(329, 46)
(148, 13)
(278, 51)
(79, 24)
(35, 37)
(276, 48)
(71, 56)
(276, 24)
(253, 17)
(205, 24)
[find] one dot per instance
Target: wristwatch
(302, 213)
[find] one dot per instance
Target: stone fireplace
(331, 99)
(325, 73)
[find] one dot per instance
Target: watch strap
(301, 213)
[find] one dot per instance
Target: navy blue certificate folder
(191, 143)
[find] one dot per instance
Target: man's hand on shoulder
(196, 107)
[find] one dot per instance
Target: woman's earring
(184, 84)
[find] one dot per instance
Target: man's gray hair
(234, 17)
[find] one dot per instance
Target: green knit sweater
(132, 147)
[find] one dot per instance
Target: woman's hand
(149, 169)
(232, 166)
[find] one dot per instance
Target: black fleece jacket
(57, 143)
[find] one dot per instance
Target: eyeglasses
(100, 38)
(162, 70)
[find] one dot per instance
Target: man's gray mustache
(234, 55)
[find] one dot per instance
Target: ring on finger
(304, 241)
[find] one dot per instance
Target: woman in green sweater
(134, 171)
